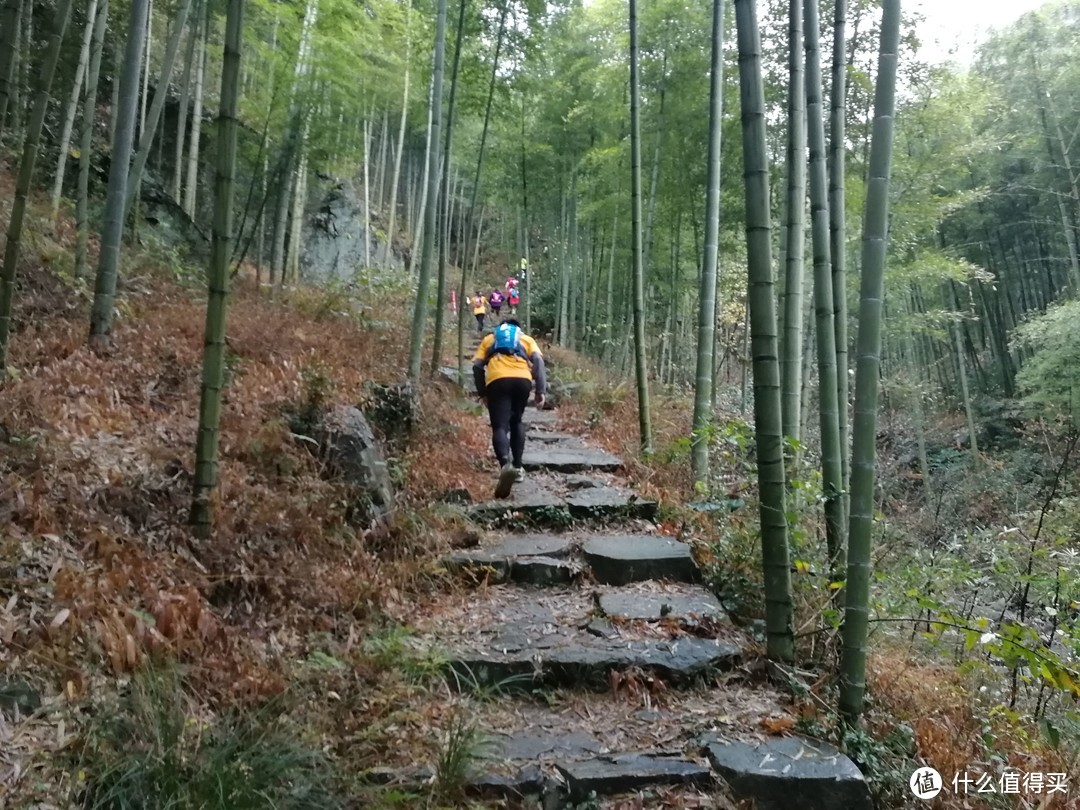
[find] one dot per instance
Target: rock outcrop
(335, 235)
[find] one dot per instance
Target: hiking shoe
(519, 474)
(507, 479)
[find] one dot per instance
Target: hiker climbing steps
(575, 590)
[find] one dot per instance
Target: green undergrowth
(152, 748)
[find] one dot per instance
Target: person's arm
(536, 360)
(479, 365)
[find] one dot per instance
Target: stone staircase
(600, 662)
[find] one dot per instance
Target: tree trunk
(396, 179)
(68, 116)
(832, 477)
(837, 229)
(762, 305)
(462, 313)
(416, 338)
(640, 363)
(213, 376)
(191, 185)
(9, 31)
(367, 197)
(26, 175)
(864, 433)
(182, 114)
(380, 175)
(706, 332)
(101, 314)
(425, 181)
(146, 135)
(791, 359)
(146, 72)
(965, 394)
(444, 241)
(86, 135)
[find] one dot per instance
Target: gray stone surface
(533, 545)
(513, 546)
(621, 559)
(528, 745)
(601, 628)
(528, 780)
(603, 501)
(550, 437)
(569, 460)
(450, 374)
(621, 773)
(787, 772)
(19, 695)
(480, 566)
(585, 661)
(544, 571)
(346, 441)
(540, 419)
(334, 237)
(690, 603)
(529, 498)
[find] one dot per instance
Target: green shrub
(149, 753)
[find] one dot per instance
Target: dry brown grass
(95, 483)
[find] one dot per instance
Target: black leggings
(480, 322)
(506, 401)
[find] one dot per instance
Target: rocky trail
(597, 662)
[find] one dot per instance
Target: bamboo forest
(539, 404)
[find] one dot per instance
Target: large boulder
(347, 443)
(336, 233)
(394, 410)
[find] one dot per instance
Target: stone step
(450, 373)
(519, 638)
(622, 559)
(651, 602)
(772, 771)
(547, 502)
(584, 661)
(530, 501)
(659, 745)
(622, 773)
(570, 460)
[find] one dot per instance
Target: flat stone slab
(685, 605)
(544, 571)
(622, 559)
(528, 780)
(604, 501)
(529, 498)
(550, 437)
(776, 770)
(578, 481)
(450, 373)
(540, 418)
(569, 460)
(622, 773)
(527, 570)
(531, 745)
(586, 661)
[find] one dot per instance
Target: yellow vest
(479, 305)
(506, 365)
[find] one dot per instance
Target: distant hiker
(504, 367)
(496, 302)
(513, 300)
(479, 309)
(511, 283)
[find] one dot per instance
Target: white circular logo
(925, 783)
